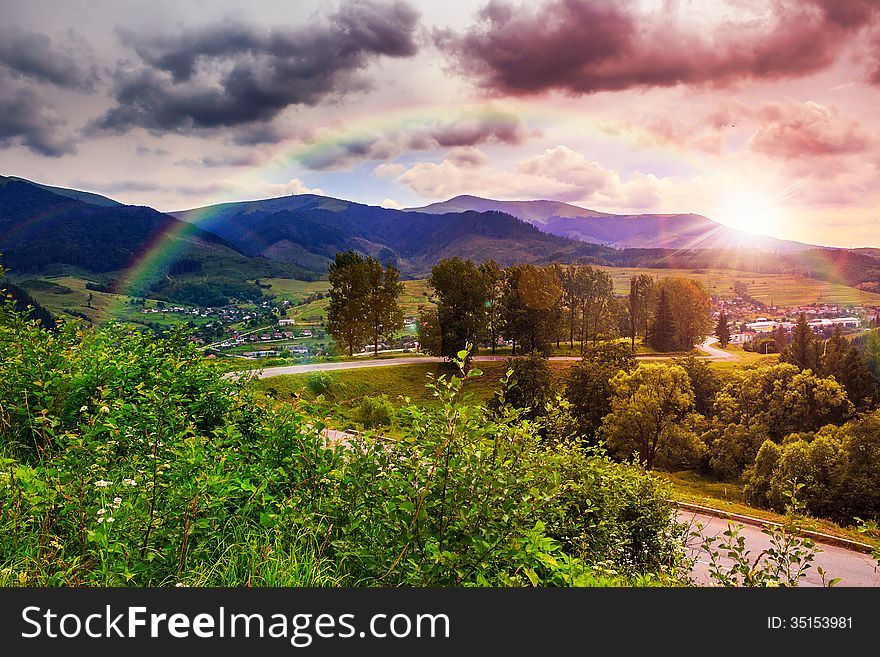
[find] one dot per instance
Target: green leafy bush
(374, 412)
(319, 382)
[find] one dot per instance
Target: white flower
(110, 519)
(102, 484)
(100, 520)
(117, 501)
(129, 482)
(101, 512)
(181, 585)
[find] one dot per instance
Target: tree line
(534, 307)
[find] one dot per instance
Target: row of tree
(364, 303)
(533, 307)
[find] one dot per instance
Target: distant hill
(85, 197)
(42, 231)
(649, 231)
(309, 230)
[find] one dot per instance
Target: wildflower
(101, 519)
(105, 409)
(101, 512)
(110, 519)
(102, 484)
(117, 501)
(181, 585)
(129, 482)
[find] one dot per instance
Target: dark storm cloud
(231, 74)
(31, 55)
(25, 121)
(588, 46)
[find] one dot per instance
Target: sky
(759, 114)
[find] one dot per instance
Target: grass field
(771, 289)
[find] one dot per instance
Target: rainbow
(161, 252)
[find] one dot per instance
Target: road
(713, 353)
(853, 568)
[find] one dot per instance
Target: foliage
(129, 461)
(682, 318)
(651, 415)
(461, 304)
(430, 337)
(319, 382)
(770, 402)
(531, 385)
(588, 384)
(530, 311)
(363, 301)
(783, 563)
(374, 412)
(641, 302)
(705, 382)
(835, 471)
(493, 282)
(469, 499)
(803, 350)
(722, 330)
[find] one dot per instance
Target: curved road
(713, 353)
(853, 568)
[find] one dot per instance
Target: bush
(129, 461)
(374, 412)
(319, 382)
(531, 384)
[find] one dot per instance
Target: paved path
(853, 568)
(713, 353)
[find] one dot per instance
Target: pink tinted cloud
(797, 130)
(588, 46)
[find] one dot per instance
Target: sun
(749, 211)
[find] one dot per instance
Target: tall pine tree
(661, 334)
(802, 350)
(722, 330)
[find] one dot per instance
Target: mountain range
(648, 231)
(297, 236)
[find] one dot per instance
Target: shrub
(319, 382)
(374, 412)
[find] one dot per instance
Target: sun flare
(750, 212)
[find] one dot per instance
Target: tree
(661, 335)
(651, 414)
(383, 311)
(597, 296)
(802, 351)
(588, 384)
(705, 382)
(430, 338)
(722, 330)
(530, 307)
(641, 292)
(363, 301)
(493, 281)
(461, 304)
(346, 313)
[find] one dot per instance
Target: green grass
(294, 290)
(771, 289)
